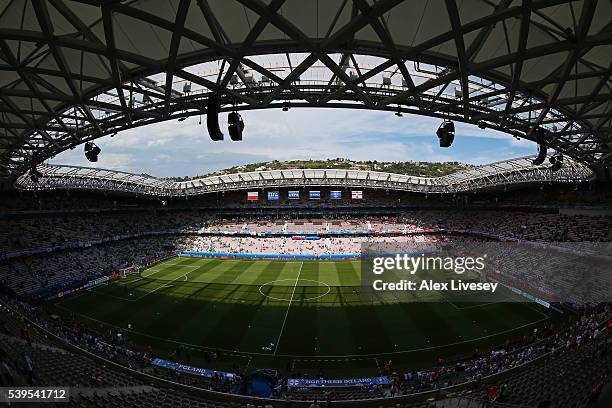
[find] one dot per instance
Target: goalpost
(126, 272)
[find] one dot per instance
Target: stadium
(305, 281)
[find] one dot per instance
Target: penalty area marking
(163, 286)
(469, 307)
(157, 269)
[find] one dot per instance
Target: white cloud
(183, 148)
(117, 161)
(522, 142)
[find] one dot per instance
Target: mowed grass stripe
(276, 282)
(252, 273)
(212, 271)
(349, 273)
(162, 311)
(167, 268)
(220, 306)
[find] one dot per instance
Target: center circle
(271, 283)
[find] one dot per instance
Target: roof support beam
(259, 26)
(522, 45)
(588, 10)
(111, 53)
(385, 38)
(177, 33)
(453, 15)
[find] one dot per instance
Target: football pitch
(301, 315)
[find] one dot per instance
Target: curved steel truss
(495, 175)
(75, 71)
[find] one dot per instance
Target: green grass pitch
(306, 316)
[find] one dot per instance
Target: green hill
(424, 169)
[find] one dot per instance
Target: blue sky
(184, 149)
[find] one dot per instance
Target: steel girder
(75, 71)
(495, 175)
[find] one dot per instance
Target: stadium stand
(23, 233)
(24, 275)
(114, 283)
(127, 237)
(562, 366)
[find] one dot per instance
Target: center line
(288, 307)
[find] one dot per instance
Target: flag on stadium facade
(357, 195)
(253, 196)
(294, 195)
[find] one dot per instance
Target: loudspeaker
(446, 133)
(212, 118)
(235, 126)
(556, 162)
(542, 148)
(91, 151)
(34, 173)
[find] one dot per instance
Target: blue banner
(315, 195)
(204, 372)
(351, 382)
(272, 195)
(240, 255)
(305, 237)
(294, 195)
(527, 295)
(335, 195)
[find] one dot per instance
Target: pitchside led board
(314, 195)
(357, 194)
(253, 196)
(272, 195)
(294, 195)
(335, 195)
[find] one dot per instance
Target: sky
(178, 149)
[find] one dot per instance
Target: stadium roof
(72, 71)
(490, 176)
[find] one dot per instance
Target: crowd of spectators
(291, 246)
(204, 232)
(25, 233)
(64, 268)
(532, 226)
(589, 331)
(59, 268)
(40, 232)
